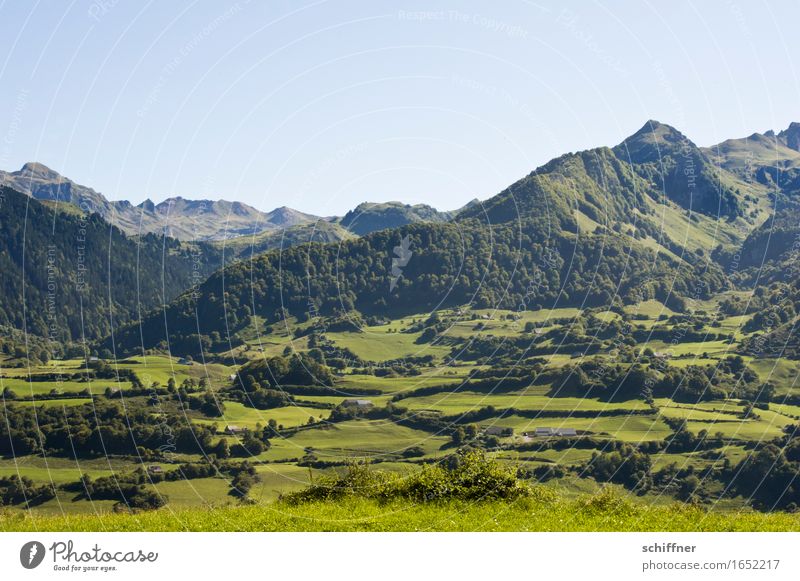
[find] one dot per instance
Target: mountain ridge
(588, 226)
(205, 219)
(608, 224)
(176, 216)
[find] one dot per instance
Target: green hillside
(586, 229)
(71, 276)
(599, 324)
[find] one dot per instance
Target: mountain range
(72, 276)
(204, 220)
(653, 217)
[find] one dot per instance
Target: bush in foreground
(470, 477)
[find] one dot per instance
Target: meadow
(601, 512)
(313, 437)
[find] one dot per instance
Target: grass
(361, 438)
(722, 416)
(384, 440)
(695, 459)
(56, 470)
(540, 316)
(196, 492)
(393, 385)
(279, 479)
(600, 512)
(24, 388)
(567, 456)
(160, 368)
(625, 428)
(153, 368)
(245, 417)
(782, 372)
(722, 348)
(652, 308)
(704, 232)
(75, 401)
(464, 401)
(378, 344)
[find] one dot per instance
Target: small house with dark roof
(499, 431)
(547, 432)
(359, 403)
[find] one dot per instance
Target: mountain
(72, 276)
(218, 220)
(766, 262)
(603, 227)
(770, 251)
(681, 170)
(653, 217)
(769, 159)
(371, 217)
(246, 247)
(746, 156)
(41, 182)
(189, 220)
(790, 136)
(176, 217)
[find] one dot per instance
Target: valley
(621, 319)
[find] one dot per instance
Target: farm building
(155, 469)
(498, 431)
(184, 361)
(233, 430)
(359, 403)
(546, 432)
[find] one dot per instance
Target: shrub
(470, 476)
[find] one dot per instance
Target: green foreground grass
(605, 511)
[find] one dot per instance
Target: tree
(222, 449)
(212, 406)
(626, 465)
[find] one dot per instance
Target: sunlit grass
(599, 512)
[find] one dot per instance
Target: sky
(323, 105)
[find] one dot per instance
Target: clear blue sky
(322, 105)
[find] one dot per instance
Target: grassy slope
(602, 512)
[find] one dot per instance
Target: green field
(299, 451)
(379, 344)
(587, 513)
(151, 369)
(464, 401)
(59, 470)
(625, 428)
(237, 414)
(364, 438)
